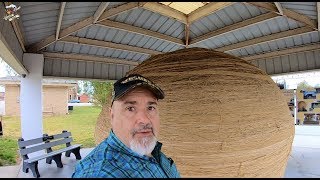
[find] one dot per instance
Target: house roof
(104, 40)
(15, 80)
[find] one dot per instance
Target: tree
(8, 70)
(100, 91)
(305, 86)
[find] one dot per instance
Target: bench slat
(45, 146)
(29, 142)
(62, 135)
(52, 153)
(40, 140)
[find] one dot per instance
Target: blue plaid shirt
(111, 158)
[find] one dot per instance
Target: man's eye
(130, 108)
(151, 108)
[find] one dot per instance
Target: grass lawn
(80, 122)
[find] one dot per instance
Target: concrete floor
(303, 161)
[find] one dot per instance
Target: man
(132, 149)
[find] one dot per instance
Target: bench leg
(34, 169)
(48, 160)
(25, 167)
(68, 153)
(75, 151)
(57, 159)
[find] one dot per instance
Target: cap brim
(156, 91)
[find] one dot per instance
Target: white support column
(295, 106)
(31, 97)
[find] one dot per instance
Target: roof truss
(286, 12)
(104, 44)
(82, 57)
(62, 6)
(263, 39)
(207, 10)
(309, 47)
(134, 29)
(233, 27)
(80, 25)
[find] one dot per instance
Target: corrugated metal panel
(306, 8)
(7, 31)
(297, 40)
(127, 38)
(302, 61)
(97, 51)
(152, 21)
(39, 19)
(227, 16)
(77, 11)
(268, 27)
(115, 4)
(85, 70)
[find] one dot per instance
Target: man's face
(135, 120)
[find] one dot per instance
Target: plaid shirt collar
(115, 143)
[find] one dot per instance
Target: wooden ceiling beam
(166, 11)
(82, 57)
(233, 27)
(279, 7)
(102, 7)
(76, 27)
(187, 34)
(104, 44)
(119, 9)
(144, 32)
(304, 48)
(268, 38)
(62, 6)
(286, 12)
(207, 10)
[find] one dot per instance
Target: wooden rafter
(17, 27)
(233, 27)
(76, 27)
(16, 24)
(102, 7)
(279, 7)
(286, 12)
(304, 48)
(62, 6)
(119, 9)
(134, 29)
(104, 44)
(318, 12)
(166, 11)
(268, 38)
(206, 10)
(187, 32)
(82, 57)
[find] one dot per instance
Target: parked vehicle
(309, 94)
(74, 101)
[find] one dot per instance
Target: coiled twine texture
(221, 116)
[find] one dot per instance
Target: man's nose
(143, 117)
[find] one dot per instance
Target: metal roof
(117, 36)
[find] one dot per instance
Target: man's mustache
(142, 128)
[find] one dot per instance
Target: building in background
(55, 95)
(84, 98)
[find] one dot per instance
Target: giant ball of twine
(221, 116)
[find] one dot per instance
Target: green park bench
(46, 143)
